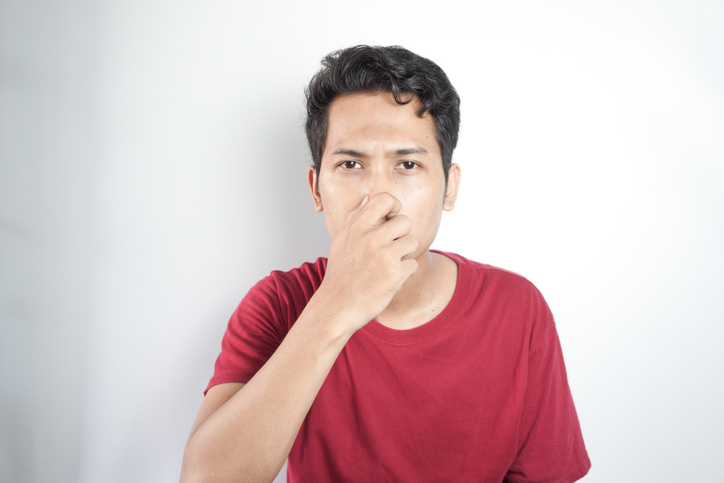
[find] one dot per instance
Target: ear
(451, 192)
(314, 188)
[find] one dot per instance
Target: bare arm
(251, 433)
(245, 432)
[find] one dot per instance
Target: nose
(378, 180)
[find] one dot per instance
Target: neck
(424, 295)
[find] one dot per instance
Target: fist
(370, 259)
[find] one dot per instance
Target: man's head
(371, 70)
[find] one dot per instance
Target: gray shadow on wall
(48, 159)
(301, 230)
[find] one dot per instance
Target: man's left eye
(408, 165)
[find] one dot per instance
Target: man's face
(375, 145)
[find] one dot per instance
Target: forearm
(251, 433)
(250, 436)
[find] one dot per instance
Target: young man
(387, 361)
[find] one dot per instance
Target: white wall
(152, 168)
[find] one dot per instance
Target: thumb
(362, 204)
(352, 214)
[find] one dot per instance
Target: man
(387, 361)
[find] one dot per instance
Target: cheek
(339, 199)
(335, 212)
(425, 213)
(333, 226)
(422, 202)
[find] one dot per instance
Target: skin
(379, 148)
(382, 189)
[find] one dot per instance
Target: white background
(152, 168)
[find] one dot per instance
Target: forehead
(372, 121)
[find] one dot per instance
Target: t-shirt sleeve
(254, 332)
(550, 444)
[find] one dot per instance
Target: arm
(245, 432)
(551, 445)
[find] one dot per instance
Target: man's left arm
(550, 444)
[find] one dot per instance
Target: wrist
(335, 314)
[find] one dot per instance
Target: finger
(410, 265)
(405, 247)
(395, 227)
(359, 208)
(362, 204)
(382, 206)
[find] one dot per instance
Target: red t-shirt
(479, 393)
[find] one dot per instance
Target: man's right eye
(350, 165)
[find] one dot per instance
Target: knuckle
(355, 230)
(402, 222)
(405, 221)
(375, 244)
(385, 197)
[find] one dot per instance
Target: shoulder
(302, 280)
(284, 294)
(499, 295)
(306, 277)
(483, 277)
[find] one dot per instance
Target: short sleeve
(252, 335)
(262, 320)
(550, 444)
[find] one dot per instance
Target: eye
(407, 165)
(350, 164)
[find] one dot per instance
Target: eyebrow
(395, 152)
(407, 151)
(348, 152)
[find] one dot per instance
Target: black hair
(366, 69)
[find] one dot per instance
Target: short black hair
(366, 69)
